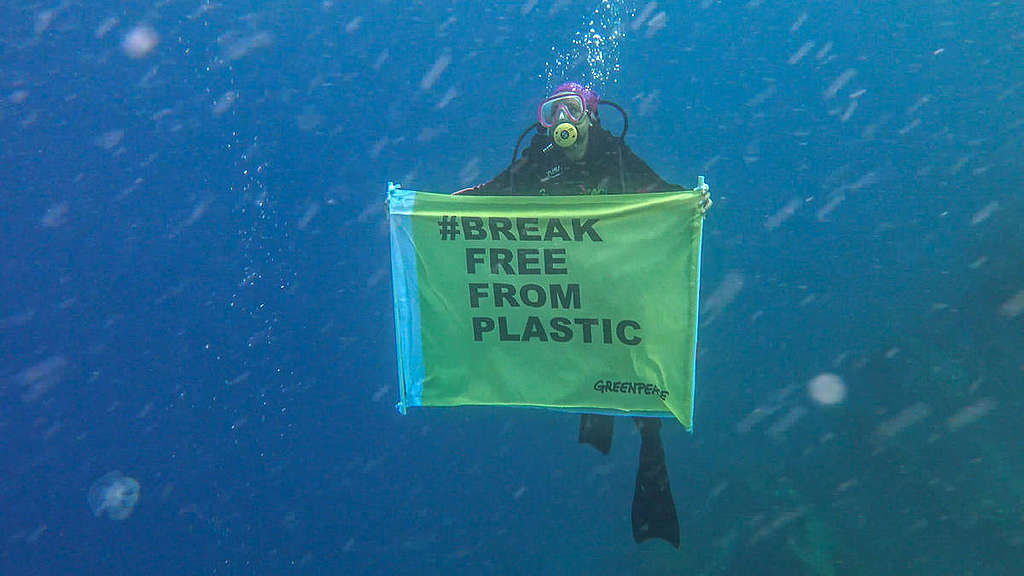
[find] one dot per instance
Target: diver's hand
(705, 201)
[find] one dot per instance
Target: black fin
(596, 430)
(654, 510)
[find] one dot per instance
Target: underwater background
(195, 291)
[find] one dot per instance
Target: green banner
(581, 303)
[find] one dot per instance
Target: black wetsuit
(607, 167)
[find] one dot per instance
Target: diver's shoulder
(538, 143)
(601, 137)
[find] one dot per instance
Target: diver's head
(568, 115)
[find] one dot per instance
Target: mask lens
(561, 108)
(574, 109)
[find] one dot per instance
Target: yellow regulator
(565, 134)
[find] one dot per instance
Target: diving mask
(560, 108)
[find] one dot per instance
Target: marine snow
(109, 139)
(839, 83)
(984, 213)
(55, 216)
(827, 389)
(140, 41)
(442, 62)
(1014, 306)
(224, 103)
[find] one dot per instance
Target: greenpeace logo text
(625, 387)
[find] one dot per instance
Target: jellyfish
(115, 495)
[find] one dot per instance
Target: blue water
(195, 286)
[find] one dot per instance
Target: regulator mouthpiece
(565, 134)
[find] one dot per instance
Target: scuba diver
(572, 154)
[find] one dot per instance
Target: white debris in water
(754, 418)
(825, 50)
(827, 389)
(767, 529)
(449, 95)
(55, 216)
(310, 119)
(971, 414)
(106, 26)
(864, 181)
(43, 21)
(644, 14)
(752, 153)
(40, 378)
(983, 214)
(378, 276)
(140, 41)
(910, 126)
(470, 173)
(797, 56)
(849, 111)
(959, 165)
(905, 419)
(353, 24)
(1014, 306)
(109, 139)
(381, 393)
(311, 211)
(833, 202)
(851, 483)
(918, 104)
(656, 24)
(242, 47)
(646, 104)
(429, 133)
(762, 96)
(722, 296)
(224, 103)
(782, 214)
(381, 59)
(787, 421)
(440, 65)
(798, 23)
(379, 145)
(838, 84)
(197, 212)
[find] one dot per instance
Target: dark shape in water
(654, 510)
